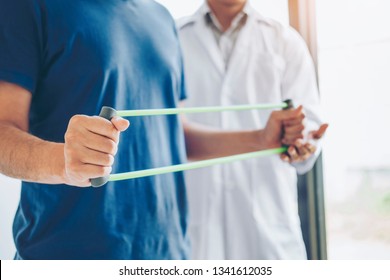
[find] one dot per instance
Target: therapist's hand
(283, 127)
(90, 146)
(302, 150)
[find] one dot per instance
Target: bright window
(354, 67)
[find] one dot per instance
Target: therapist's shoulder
(263, 22)
(280, 34)
(270, 26)
(185, 22)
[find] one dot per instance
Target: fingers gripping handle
(290, 105)
(107, 113)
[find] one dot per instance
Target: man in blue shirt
(60, 62)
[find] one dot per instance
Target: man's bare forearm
(203, 142)
(282, 127)
(26, 157)
(88, 151)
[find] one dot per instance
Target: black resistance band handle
(290, 104)
(107, 113)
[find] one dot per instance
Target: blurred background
(350, 42)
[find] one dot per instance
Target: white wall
(181, 8)
(9, 198)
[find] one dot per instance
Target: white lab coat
(247, 209)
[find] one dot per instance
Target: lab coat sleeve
(299, 84)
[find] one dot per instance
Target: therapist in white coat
(233, 55)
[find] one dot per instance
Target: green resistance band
(212, 109)
(108, 113)
(193, 165)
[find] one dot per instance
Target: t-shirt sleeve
(182, 85)
(183, 93)
(20, 42)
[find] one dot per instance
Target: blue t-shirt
(76, 56)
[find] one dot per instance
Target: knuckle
(111, 160)
(96, 118)
(100, 121)
(115, 135)
(103, 170)
(100, 171)
(112, 147)
(77, 119)
(107, 171)
(71, 137)
(298, 129)
(108, 160)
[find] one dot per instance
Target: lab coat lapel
(207, 39)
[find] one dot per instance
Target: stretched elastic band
(213, 109)
(109, 113)
(193, 165)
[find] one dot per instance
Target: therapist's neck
(226, 10)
